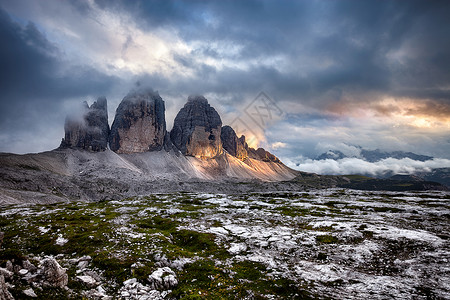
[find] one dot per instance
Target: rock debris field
(318, 244)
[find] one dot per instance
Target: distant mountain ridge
(373, 155)
(440, 175)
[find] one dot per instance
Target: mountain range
(138, 156)
(373, 155)
(440, 175)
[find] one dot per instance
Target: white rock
(130, 281)
(154, 294)
(54, 274)
(9, 266)
(165, 293)
(23, 272)
(218, 230)
(4, 293)
(30, 293)
(170, 281)
(237, 248)
(29, 266)
(43, 229)
(60, 241)
(101, 290)
(6, 273)
(125, 294)
(133, 291)
(85, 258)
(163, 279)
(87, 280)
(82, 264)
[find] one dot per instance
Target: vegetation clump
(253, 246)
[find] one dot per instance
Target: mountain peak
(87, 128)
(139, 124)
(197, 99)
(197, 128)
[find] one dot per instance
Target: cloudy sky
(374, 74)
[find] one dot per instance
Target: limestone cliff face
(261, 154)
(267, 156)
(88, 128)
(258, 154)
(139, 124)
(197, 128)
(232, 144)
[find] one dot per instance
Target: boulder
(9, 266)
(87, 280)
(53, 274)
(30, 293)
(6, 273)
(26, 264)
(87, 128)
(4, 293)
(139, 124)
(232, 144)
(197, 128)
(163, 279)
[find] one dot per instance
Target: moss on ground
(327, 239)
(123, 237)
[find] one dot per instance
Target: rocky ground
(318, 244)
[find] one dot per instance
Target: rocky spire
(232, 144)
(260, 154)
(196, 129)
(88, 127)
(239, 148)
(139, 124)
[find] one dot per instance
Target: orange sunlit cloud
(424, 114)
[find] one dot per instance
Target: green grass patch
(327, 239)
(194, 241)
(118, 269)
(249, 270)
(159, 223)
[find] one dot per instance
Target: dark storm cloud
(25, 52)
(359, 40)
(32, 67)
(34, 79)
(320, 54)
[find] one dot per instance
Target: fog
(347, 166)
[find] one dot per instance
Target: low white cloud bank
(358, 166)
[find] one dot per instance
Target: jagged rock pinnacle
(139, 124)
(88, 127)
(232, 144)
(196, 130)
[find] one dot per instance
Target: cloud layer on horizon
(347, 166)
(369, 73)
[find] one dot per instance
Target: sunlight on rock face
(253, 141)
